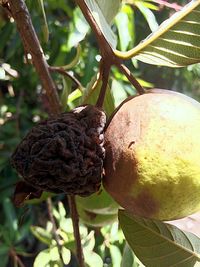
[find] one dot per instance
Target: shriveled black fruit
(64, 154)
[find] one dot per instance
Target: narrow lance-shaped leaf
(45, 28)
(176, 43)
(159, 244)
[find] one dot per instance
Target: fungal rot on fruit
(64, 154)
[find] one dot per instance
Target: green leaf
(118, 92)
(42, 259)
(148, 14)
(158, 244)
(101, 20)
(50, 257)
(109, 8)
(125, 28)
(175, 43)
(11, 219)
(115, 255)
(75, 60)
(129, 259)
(67, 87)
(3, 249)
(43, 235)
(4, 260)
(92, 259)
(66, 255)
(2, 74)
(89, 241)
(92, 92)
(45, 28)
(78, 30)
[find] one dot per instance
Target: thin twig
(131, 79)
(74, 214)
(54, 228)
(16, 258)
(66, 73)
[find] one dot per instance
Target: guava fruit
(100, 203)
(152, 164)
(93, 219)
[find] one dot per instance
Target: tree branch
(131, 79)
(74, 214)
(104, 46)
(108, 56)
(104, 77)
(32, 45)
(66, 73)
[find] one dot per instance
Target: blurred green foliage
(26, 237)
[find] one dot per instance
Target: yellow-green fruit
(152, 165)
(93, 219)
(100, 203)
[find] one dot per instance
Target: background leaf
(45, 28)
(175, 43)
(109, 8)
(102, 20)
(158, 244)
(91, 95)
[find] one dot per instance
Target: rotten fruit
(152, 165)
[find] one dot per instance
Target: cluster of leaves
(26, 234)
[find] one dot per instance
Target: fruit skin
(152, 165)
(99, 203)
(93, 219)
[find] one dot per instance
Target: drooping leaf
(159, 244)
(176, 43)
(101, 20)
(75, 60)
(44, 27)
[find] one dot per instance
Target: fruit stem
(131, 78)
(75, 221)
(104, 76)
